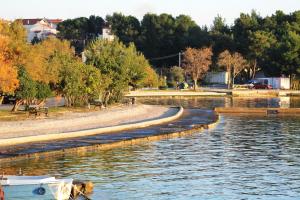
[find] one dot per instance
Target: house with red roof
(40, 28)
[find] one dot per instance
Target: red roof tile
(34, 21)
(30, 21)
(54, 21)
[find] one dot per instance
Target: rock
(88, 187)
(81, 188)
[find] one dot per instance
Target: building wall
(106, 34)
(217, 77)
(285, 83)
(276, 82)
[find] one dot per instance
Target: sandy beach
(82, 121)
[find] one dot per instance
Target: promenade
(189, 121)
(82, 124)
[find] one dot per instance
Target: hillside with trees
(269, 44)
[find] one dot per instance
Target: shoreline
(208, 120)
(138, 120)
(170, 93)
(107, 146)
(210, 92)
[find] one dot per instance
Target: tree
(151, 78)
(26, 91)
(123, 65)
(80, 31)
(8, 79)
(234, 64)
(154, 36)
(290, 47)
(136, 63)
(126, 28)
(243, 27)
(12, 50)
(8, 73)
(176, 75)
(157, 37)
(79, 83)
(197, 62)
(219, 26)
(30, 91)
(221, 38)
(260, 44)
(17, 47)
(44, 59)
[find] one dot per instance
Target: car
(261, 86)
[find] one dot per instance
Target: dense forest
(270, 44)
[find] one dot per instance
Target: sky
(202, 11)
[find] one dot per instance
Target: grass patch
(7, 115)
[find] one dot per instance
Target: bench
(96, 104)
(129, 101)
(36, 110)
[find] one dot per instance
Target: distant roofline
(32, 21)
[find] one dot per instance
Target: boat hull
(53, 190)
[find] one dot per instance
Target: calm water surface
(212, 102)
(244, 157)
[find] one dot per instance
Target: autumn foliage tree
(196, 63)
(43, 63)
(151, 78)
(8, 79)
(234, 64)
(8, 72)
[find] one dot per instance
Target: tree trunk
(1, 99)
(229, 79)
(17, 105)
(254, 69)
(106, 98)
(41, 103)
(195, 84)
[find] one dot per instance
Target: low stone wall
(173, 93)
(264, 93)
(271, 111)
(57, 136)
(255, 93)
(130, 141)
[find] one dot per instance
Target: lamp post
(179, 58)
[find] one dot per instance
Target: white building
(40, 28)
(106, 34)
(217, 77)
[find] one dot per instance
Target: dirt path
(82, 121)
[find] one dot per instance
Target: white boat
(35, 188)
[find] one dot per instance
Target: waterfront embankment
(262, 111)
(189, 121)
(84, 124)
(214, 92)
(168, 93)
